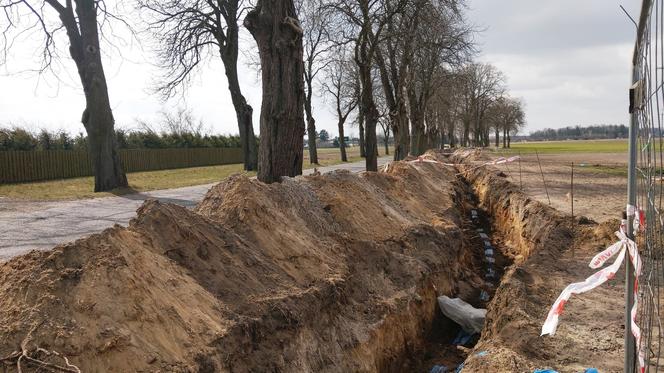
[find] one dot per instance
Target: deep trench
(479, 234)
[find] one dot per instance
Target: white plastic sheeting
(471, 319)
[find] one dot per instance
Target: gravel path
(43, 225)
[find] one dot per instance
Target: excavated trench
(447, 345)
(331, 273)
(496, 216)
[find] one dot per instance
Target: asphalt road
(42, 225)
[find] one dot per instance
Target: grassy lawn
(574, 146)
(82, 187)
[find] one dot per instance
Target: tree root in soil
(18, 358)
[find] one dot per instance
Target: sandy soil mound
(331, 273)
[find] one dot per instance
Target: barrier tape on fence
(625, 245)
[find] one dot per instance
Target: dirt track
(598, 194)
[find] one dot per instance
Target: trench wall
(536, 236)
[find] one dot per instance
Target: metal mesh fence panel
(647, 178)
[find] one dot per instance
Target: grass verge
(81, 188)
(576, 146)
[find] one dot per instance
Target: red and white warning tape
(501, 160)
(424, 159)
(598, 278)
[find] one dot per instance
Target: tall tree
(443, 42)
(340, 84)
(80, 19)
(487, 84)
(393, 59)
(481, 84)
(190, 30)
(276, 29)
(507, 115)
(364, 26)
(316, 45)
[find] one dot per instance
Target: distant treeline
(602, 131)
(20, 139)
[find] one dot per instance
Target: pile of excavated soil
(331, 273)
(550, 251)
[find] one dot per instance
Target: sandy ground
(597, 195)
(346, 283)
(549, 254)
(330, 273)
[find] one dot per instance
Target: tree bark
(276, 29)
(497, 137)
(418, 138)
(244, 114)
(370, 117)
(243, 111)
(97, 117)
(311, 124)
(363, 148)
(342, 141)
(402, 146)
(398, 111)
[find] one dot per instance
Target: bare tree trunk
(363, 148)
(497, 137)
(509, 139)
(476, 132)
(370, 116)
(418, 137)
(97, 117)
(402, 147)
(433, 132)
(387, 144)
(274, 26)
(396, 105)
(244, 113)
(450, 133)
(504, 138)
(311, 125)
(342, 143)
(418, 140)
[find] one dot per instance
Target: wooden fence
(24, 166)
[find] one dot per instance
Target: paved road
(43, 225)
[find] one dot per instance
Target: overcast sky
(567, 59)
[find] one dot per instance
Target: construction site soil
(329, 273)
